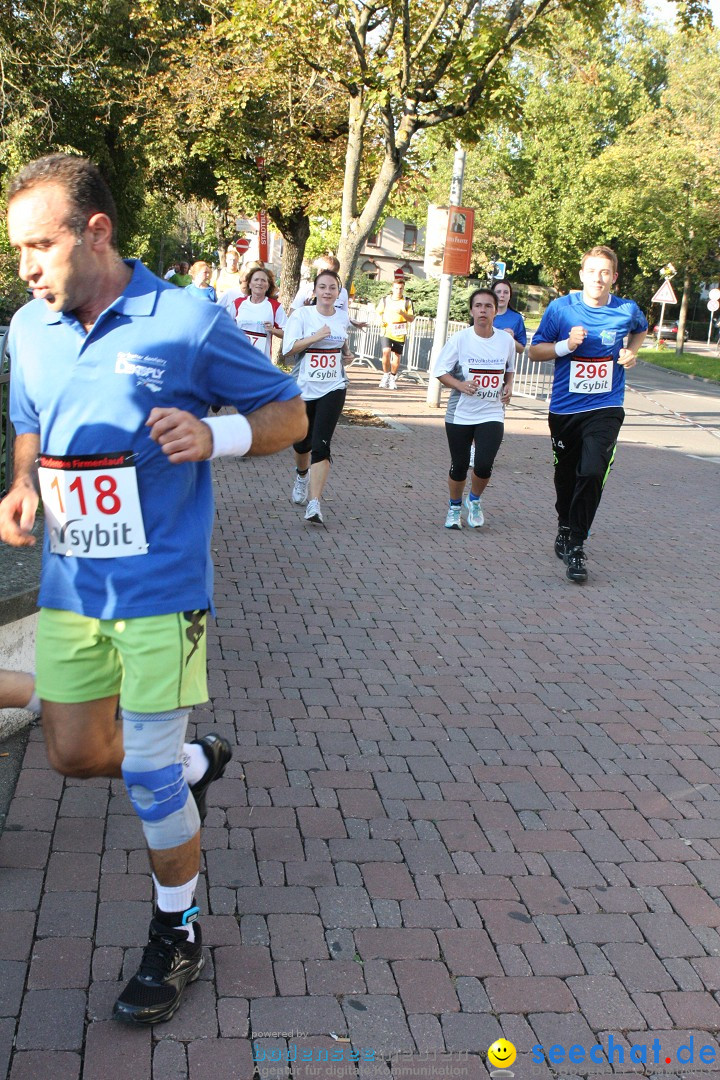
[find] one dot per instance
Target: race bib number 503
(323, 366)
(92, 506)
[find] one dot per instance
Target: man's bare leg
(16, 689)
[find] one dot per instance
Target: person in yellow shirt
(228, 277)
(396, 313)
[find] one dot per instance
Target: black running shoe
(168, 964)
(218, 752)
(576, 570)
(562, 541)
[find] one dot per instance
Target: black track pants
(584, 450)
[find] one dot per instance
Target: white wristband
(231, 435)
(562, 348)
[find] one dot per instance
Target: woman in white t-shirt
(315, 336)
(478, 366)
(259, 313)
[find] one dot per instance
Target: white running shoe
(475, 516)
(392, 382)
(313, 512)
(300, 489)
(385, 381)
(452, 521)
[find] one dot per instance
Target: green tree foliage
(658, 185)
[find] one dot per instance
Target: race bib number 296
(591, 376)
(92, 507)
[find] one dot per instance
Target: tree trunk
(356, 232)
(295, 231)
(680, 343)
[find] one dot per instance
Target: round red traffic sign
(241, 245)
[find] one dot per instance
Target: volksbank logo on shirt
(148, 370)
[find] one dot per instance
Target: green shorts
(154, 664)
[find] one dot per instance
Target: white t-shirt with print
(320, 368)
(481, 360)
(252, 317)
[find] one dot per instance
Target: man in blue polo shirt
(584, 333)
(113, 373)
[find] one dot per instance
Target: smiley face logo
(502, 1054)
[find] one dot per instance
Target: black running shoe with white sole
(562, 541)
(218, 752)
(168, 964)
(576, 569)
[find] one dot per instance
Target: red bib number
(256, 339)
(591, 375)
(323, 366)
(92, 506)
(489, 382)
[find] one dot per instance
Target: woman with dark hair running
(507, 318)
(316, 336)
(477, 365)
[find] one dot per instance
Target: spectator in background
(172, 269)
(200, 286)
(228, 277)
(182, 279)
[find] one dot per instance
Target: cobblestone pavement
(469, 798)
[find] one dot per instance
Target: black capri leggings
(323, 414)
(487, 438)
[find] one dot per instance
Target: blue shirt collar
(137, 299)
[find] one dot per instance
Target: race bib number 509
(92, 506)
(489, 382)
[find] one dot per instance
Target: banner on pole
(262, 236)
(458, 241)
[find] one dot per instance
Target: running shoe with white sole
(169, 962)
(384, 382)
(300, 489)
(392, 382)
(475, 516)
(313, 512)
(452, 521)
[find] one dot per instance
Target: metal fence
(531, 380)
(7, 435)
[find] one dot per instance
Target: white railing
(531, 380)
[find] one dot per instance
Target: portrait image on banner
(458, 241)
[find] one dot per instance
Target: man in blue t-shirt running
(113, 374)
(584, 333)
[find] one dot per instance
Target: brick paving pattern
(468, 798)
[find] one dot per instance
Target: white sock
(195, 765)
(177, 898)
(33, 704)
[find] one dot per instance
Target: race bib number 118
(92, 506)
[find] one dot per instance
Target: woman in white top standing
(478, 366)
(315, 336)
(260, 314)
